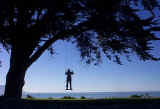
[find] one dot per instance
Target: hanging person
(69, 74)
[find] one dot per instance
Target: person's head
(69, 70)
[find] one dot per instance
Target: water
(92, 94)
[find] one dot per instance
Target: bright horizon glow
(46, 75)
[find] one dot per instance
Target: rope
(66, 55)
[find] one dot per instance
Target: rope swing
(68, 71)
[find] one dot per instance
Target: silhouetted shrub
(82, 97)
(50, 98)
(29, 96)
(136, 96)
(68, 97)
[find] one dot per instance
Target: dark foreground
(81, 104)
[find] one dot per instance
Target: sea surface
(92, 94)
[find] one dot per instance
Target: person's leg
(70, 82)
(67, 85)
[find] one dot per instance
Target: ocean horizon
(96, 95)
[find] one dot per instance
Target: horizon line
(93, 91)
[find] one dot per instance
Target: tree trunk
(14, 83)
(16, 74)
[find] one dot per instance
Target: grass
(132, 97)
(84, 99)
(106, 101)
(92, 99)
(79, 103)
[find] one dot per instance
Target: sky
(47, 74)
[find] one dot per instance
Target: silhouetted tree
(112, 27)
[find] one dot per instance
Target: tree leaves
(96, 26)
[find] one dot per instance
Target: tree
(96, 26)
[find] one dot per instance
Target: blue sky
(47, 74)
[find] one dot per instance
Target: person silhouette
(69, 74)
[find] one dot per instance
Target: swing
(68, 72)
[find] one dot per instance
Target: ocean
(96, 95)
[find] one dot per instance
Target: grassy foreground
(107, 103)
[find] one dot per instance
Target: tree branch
(74, 31)
(40, 51)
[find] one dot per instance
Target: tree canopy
(115, 27)
(112, 27)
